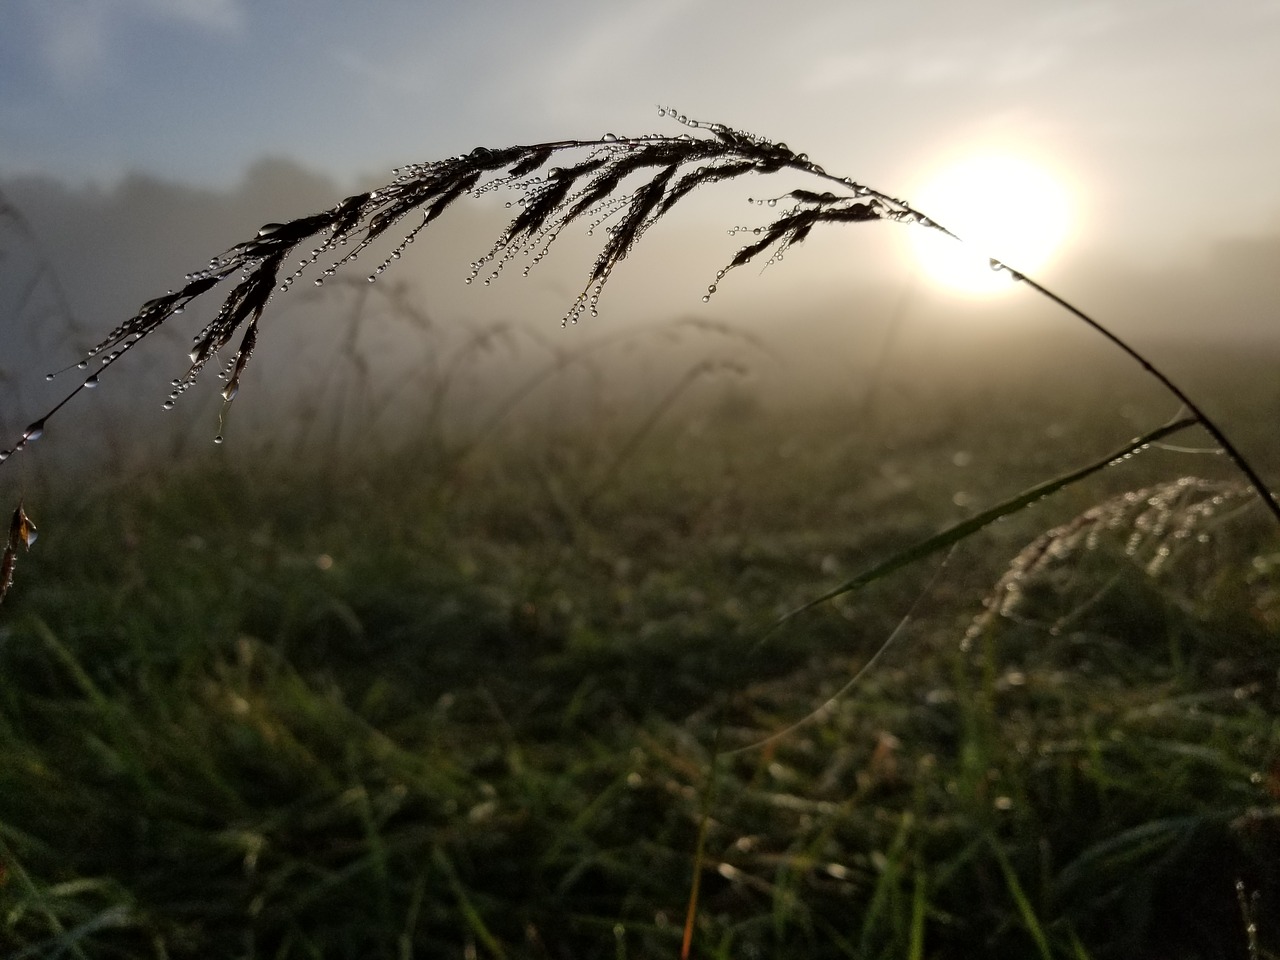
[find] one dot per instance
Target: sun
(1000, 205)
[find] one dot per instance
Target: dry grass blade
(22, 533)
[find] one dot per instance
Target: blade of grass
(919, 899)
(966, 528)
(700, 850)
(886, 883)
(1025, 910)
(469, 912)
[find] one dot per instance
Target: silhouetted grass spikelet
(599, 184)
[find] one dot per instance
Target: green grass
(308, 711)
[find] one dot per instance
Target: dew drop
(82, 365)
(5, 455)
(168, 404)
(34, 432)
(92, 382)
(49, 376)
(218, 438)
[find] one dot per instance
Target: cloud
(609, 44)
(73, 41)
(78, 38)
(225, 16)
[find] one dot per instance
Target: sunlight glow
(1001, 206)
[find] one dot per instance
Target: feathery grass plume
(628, 183)
(1147, 526)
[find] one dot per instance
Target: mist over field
(844, 315)
(473, 629)
(864, 610)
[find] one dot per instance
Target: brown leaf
(21, 532)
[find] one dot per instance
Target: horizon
(1140, 108)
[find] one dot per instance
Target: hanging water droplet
(49, 376)
(34, 432)
(168, 404)
(218, 438)
(91, 382)
(5, 455)
(82, 365)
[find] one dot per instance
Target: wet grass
(381, 711)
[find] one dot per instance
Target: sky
(1159, 115)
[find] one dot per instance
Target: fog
(845, 313)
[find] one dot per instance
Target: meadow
(567, 660)
(386, 703)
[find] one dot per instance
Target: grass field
(379, 705)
